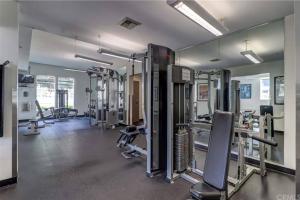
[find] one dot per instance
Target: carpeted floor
(70, 160)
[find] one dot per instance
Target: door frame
(135, 77)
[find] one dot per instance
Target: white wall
(275, 68)
(254, 102)
(25, 34)
(290, 93)
(9, 51)
(296, 41)
(81, 82)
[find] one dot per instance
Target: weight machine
(62, 98)
(154, 77)
(122, 100)
(179, 137)
(244, 172)
(103, 97)
(130, 133)
(218, 86)
(168, 94)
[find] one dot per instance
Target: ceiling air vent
(129, 23)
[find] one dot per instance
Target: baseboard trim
(8, 182)
(254, 162)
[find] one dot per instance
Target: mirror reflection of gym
(260, 85)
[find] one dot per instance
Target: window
(45, 90)
(66, 83)
(265, 89)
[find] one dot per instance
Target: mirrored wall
(260, 75)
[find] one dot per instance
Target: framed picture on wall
(245, 91)
(202, 92)
(279, 90)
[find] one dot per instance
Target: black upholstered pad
(217, 158)
(134, 133)
(203, 191)
(130, 128)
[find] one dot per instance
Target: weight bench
(126, 139)
(74, 112)
(44, 118)
(214, 185)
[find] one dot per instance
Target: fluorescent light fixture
(74, 70)
(93, 59)
(199, 15)
(116, 55)
(252, 56)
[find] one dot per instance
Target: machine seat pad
(129, 134)
(130, 128)
(203, 191)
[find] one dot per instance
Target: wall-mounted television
(25, 78)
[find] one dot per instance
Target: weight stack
(181, 150)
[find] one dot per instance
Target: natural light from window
(45, 90)
(265, 89)
(67, 83)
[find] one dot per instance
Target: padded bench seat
(205, 192)
(133, 133)
(127, 136)
(215, 173)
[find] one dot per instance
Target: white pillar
(290, 94)
(297, 65)
(9, 51)
(25, 35)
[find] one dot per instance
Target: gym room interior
(139, 99)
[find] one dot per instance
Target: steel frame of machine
(245, 171)
(155, 58)
(104, 77)
(157, 67)
(183, 78)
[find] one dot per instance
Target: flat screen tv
(25, 78)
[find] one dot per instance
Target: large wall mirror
(261, 84)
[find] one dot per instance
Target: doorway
(135, 99)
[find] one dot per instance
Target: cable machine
(103, 97)
(159, 58)
(122, 99)
(218, 86)
(180, 101)
(62, 98)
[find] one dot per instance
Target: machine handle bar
(183, 124)
(269, 142)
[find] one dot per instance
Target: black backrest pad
(218, 155)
